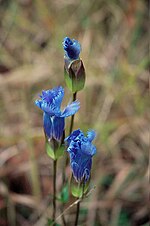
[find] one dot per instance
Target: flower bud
(75, 75)
(74, 68)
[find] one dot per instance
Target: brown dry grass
(115, 102)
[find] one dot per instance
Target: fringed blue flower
(53, 117)
(72, 48)
(81, 151)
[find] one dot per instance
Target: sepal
(78, 190)
(74, 74)
(59, 150)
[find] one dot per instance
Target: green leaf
(64, 195)
(50, 222)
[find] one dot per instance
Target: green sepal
(78, 189)
(59, 152)
(68, 80)
(50, 151)
(54, 154)
(74, 74)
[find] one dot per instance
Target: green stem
(63, 181)
(72, 117)
(77, 214)
(55, 146)
(78, 204)
(54, 189)
(64, 166)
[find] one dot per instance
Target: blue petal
(91, 135)
(75, 170)
(93, 149)
(73, 135)
(38, 103)
(71, 109)
(58, 127)
(81, 150)
(86, 175)
(58, 93)
(49, 108)
(82, 162)
(53, 96)
(86, 166)
(51, 101)
(88, 148)
(72, 48)
(47, 124)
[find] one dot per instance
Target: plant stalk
(77, 214)
(78, 204)
(72, 117)
(63, 181)
(54, 189)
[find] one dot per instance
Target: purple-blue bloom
(53, 117)
(81, 151)
(72, 48)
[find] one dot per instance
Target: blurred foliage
(115, 102)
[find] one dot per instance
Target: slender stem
(55, 145)
(77, 214)
(63, 217)
(64, 166)
(63, 182)
(54, 189)
(72, 117)
(78, 204)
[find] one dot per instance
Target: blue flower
(81, 151)
(53, 117)
(72, 48)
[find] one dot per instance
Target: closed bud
(75, 75)
(74, 69)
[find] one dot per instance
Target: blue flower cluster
(53, 117)
(72, 48)
(80, 147)
(81, 151)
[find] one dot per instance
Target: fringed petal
(71, 109)
(73, 136)
(91, 135)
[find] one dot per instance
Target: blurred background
(114, 39)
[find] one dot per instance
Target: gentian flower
(53, 117)
(72, 48)
(74, 69)
(81, 151)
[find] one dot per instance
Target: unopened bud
(75, 75)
